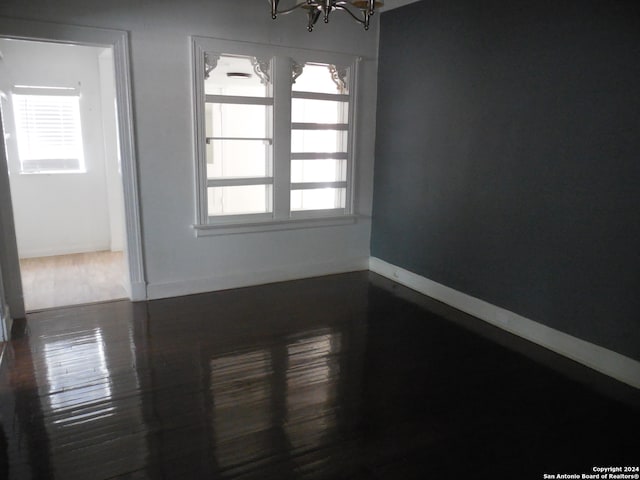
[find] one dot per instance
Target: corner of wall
(608, 362)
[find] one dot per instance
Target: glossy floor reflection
(341, 377)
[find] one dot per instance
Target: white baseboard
(5, 334)
(5, 320)
(7, 324)
(247, 279)
(605, 361)
(62, 250)
(138, 291)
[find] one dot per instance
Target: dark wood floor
(340, 377)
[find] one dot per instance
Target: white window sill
(273, 225)
(53, 172)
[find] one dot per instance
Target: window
(319, 138)
(238, 108)
(48, 130)
(274, 129)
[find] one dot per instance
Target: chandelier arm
(345, 9)
(289, 10)
(313, 16)
(286, 10)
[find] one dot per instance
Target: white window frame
(37, 91)
(245, 181)
(281, 64)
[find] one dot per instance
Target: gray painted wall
(176, 262)
(507, 157)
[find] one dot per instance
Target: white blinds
(48, 132)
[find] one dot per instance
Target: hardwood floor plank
(338, 377)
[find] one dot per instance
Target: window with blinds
(49, 133)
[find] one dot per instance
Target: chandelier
(317, 8)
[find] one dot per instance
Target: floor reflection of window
(78, 378)
(242, 400)
(92, 408)
(312, 381)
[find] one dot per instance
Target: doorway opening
(59, 114)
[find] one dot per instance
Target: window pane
(318, 111)
(230, 120)
(238, 158)
(323, 79)
(318, 199)
(48, 132)
(317, 78)
(239, 200)
(234, 75)
(318, 171)
(320, 141)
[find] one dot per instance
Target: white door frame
(119, 41)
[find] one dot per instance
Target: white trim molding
(273, 226)
(66, 249)
(608, 362)
(5, 325)
(248, 279)
(138, 291)
(119, 41)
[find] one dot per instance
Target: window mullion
(281, 137)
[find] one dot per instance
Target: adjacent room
(66, 189)
(355, 240)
